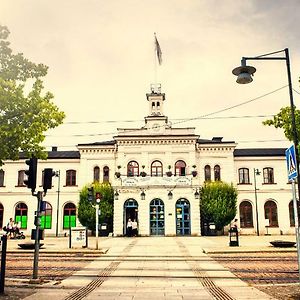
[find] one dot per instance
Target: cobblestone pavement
(274, 273)
(51, 268)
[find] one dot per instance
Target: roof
(259, 152)
(105, 143)
(214, 141)
(57, 155)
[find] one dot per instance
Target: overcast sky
(101, 63)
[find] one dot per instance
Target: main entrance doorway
(157, 217)
(183, 224)
(130, 212)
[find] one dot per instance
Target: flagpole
(155, 64)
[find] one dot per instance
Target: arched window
(207, 173)
(70, 177)
(97, 174)
(180, 168)
(271, 213)
(46, 217)
(21, 177)
(217, 171)
(106, 173)
(132, 169)
(244, 176)
(156, 169)
(1, 215)
(21, 213)
(292, 215)
(2, 177)
(246, 215)
(268, 175)
(69, 216)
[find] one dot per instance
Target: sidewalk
(160, 268)
(212, 244)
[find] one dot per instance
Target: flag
(158, 51)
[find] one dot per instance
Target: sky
(101, 62)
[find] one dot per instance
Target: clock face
(155, 127)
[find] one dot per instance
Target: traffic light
(47, 182)
(31, 173)
(91, 194)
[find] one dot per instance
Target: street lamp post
(244, 75)
(256, 172)
(57, 174)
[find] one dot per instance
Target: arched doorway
(130, 212)
(69, 217)
(21, 213)
(157, 217)
(183, 224)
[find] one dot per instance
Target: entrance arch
(183, 223)
(157, 217)
(130, 212)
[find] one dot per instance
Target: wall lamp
(170, 195)
(116, 195)
(197, 194)
(143, 195)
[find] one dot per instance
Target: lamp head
(244, 74)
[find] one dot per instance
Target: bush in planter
(194, 173)
(118, 173)
(143, 174)
(169, 173)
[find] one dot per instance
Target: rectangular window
(244, 176)
(268, 175)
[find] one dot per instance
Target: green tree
(218, 203)
(87, 210)
(24, 116)
(283, 120)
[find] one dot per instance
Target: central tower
(156, 120)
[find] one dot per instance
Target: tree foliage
(87, 210)
(283, 120)
(24, 117)
(218, 203)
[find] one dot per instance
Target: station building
(156, 172)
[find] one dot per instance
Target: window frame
(244, 177)
(268, 175)
(157, 169)
(272, 213)
(133, 169)
(180, 168)
(246, 214)
(71, 177)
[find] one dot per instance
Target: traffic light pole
(97, 222)
(37, 237)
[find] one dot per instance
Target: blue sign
(290, 155)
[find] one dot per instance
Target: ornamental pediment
(160, 181)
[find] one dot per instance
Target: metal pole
(256, 208)
(37, 240)
(57, 206)
(296, 222)
(97, 222)
(295, 135)
(3, 262)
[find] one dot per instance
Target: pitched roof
(105, 143)
(259, 152)
(57, 155)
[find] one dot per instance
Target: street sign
(290, 155)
